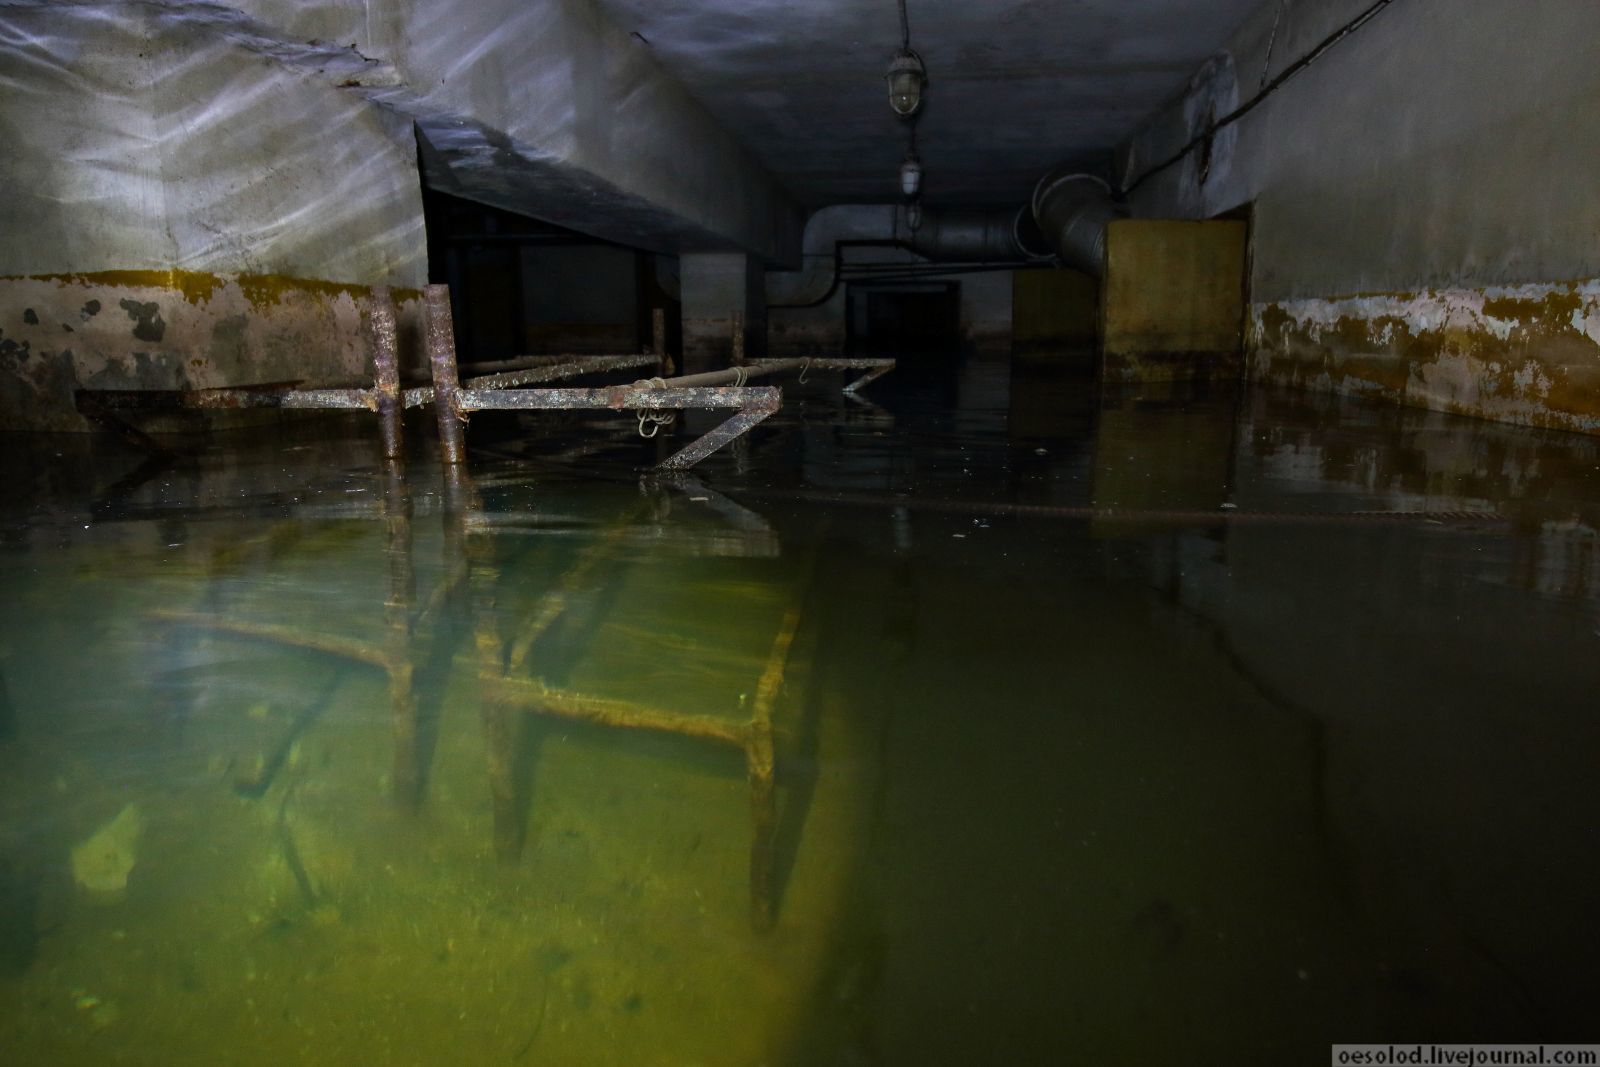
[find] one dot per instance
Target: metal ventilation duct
(976, 237)
(1072, 211)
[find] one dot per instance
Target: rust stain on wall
(198, 287)
(178, 330)
(1527, 354)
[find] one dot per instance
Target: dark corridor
(904, 317)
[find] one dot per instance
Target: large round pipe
(1072, 212)
(828, 226)
(974, 237)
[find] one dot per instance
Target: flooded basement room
(799, 533)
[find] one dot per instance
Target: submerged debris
(101, 864)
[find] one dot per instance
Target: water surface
(1116, 728)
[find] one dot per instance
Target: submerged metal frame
(875, 368)
(751, 405)
(454, 400)
(505, 694)
(506, 691)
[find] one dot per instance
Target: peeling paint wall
(179, 330)
(183, 211)
(1424, 225)
(1527, 354)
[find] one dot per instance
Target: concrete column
(717, 286)
(1172, 300)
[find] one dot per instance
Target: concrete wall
(184, 211)
(723, 293)
(223, 151)
(1054, 313)
(1424, 224)
(986, 308)
(546, 108)
(580, 299)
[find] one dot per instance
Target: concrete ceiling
(1016, 86)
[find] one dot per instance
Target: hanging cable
(905, 28)
(1213, 128)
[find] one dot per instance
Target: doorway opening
(915, 320)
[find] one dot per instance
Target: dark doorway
(519, 286)
(904, 318)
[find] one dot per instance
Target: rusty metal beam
(346, 648)
(761, 767)
(731, 430)
(232, 398)
(386, 372)
(554, 603)
(441, 342)
(571, 368)
(532, 695)
(617, 398)
(875, 368)
(753, 404)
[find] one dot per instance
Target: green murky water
(1115, 728)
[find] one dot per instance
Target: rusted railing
(654, 401)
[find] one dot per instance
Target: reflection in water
(1027, 724)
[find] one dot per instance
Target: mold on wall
(1527, 354)
(179, 330)
(1431, 164)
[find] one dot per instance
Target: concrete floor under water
(1119, 728)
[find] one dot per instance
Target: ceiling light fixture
(911, 176)
(907, 76)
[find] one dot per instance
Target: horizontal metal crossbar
(875, 368)
(228, 399)
(570, 367)
(766, 398)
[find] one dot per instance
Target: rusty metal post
(399, 662)
(386, 371)
(446, 383)
(658, 342)
(738, 339)
(501, 721)
(760, 764)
